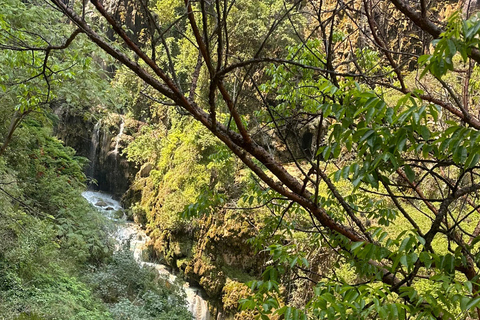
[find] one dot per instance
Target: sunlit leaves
(371, 138)
(206, 203)
(31, 76)
(268, 290)
(460, 37)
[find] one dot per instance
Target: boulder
(100, 203)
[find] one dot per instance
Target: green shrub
(136, 292)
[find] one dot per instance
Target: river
(129, 231)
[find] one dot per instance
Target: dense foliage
(56, 251)
(48, 230)
(338, 140)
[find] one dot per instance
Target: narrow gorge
(112, 178)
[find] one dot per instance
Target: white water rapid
(138, 239)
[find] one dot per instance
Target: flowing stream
(126, 231)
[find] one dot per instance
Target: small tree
(40, 62)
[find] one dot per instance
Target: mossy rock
(128, 214)
(182, 247)
(210, 277)
(232, 293)
(139, 215)
(182, 264)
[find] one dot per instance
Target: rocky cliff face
(215, 256)
(100, 138)
(130, 14)
(211, 251)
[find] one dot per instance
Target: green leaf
(356, 245)
(409, 173)
(463, 303)
(472, 159)
(367, 135)
(370, 112)
(473, 303)
(469, 286)
(403, 260)
(451, 47)
(424, 132)
(460, 154)
(401, 144)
